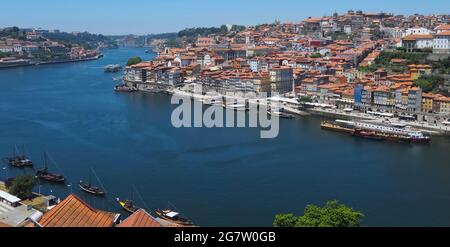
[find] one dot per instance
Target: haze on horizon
(115, 17)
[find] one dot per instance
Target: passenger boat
(19, 160)
(338, 127)
(44, 174)
(173, 217)
(128, 205)
(396, 132)
(369, 134)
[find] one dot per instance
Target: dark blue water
(217, 177)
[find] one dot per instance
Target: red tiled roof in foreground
(4, 225)
(140, 219)
(74, 212)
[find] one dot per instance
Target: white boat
(279, 114)
(387, 128)
(236, 107)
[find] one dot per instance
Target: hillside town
(22, 47)
(356, 65)
(368, 62)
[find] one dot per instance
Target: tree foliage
(333, 214)
(22, 187)
(429, 83)
(173, 43)
(315, 55)
(443, 66)
(134, 60)
(206, 31)
(13, 32)
(84, 39)
(285, 220)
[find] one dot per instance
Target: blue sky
(156, 16)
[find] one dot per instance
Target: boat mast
(23, 151)
(15, 151)
(45, 161)
(98, 179)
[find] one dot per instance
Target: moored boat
(334, 126)
(124, 88)
(368, 134)
(398, 133)
(128, 205)
(18, 159)
(44, 174)
(173, 217)
(89, 188)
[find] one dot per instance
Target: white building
(417, 30)
(424, 41)
(396, 32)
(6, 48)
(255, 65)
(441, 42)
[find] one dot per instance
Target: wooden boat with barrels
(44, 174)
(128, 205)
(89, 188)
(18, 159)
(173, 217)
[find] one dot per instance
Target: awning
(172, 214)
(8, 197)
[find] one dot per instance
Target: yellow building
(427, 102)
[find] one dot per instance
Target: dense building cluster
(27, 46)
(318, 57)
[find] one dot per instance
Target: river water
(216, 177)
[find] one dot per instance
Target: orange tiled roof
(140, 219)
(443, 27)
(418, 36)
(4, 225)
(444, 33)
(74, 212)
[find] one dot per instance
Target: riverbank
(36, 63)
(302, 110)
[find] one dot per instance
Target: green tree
(333, 214)
(424, 84)
(285, 220)
(22, 186)
(429, 83)
(134, 60)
